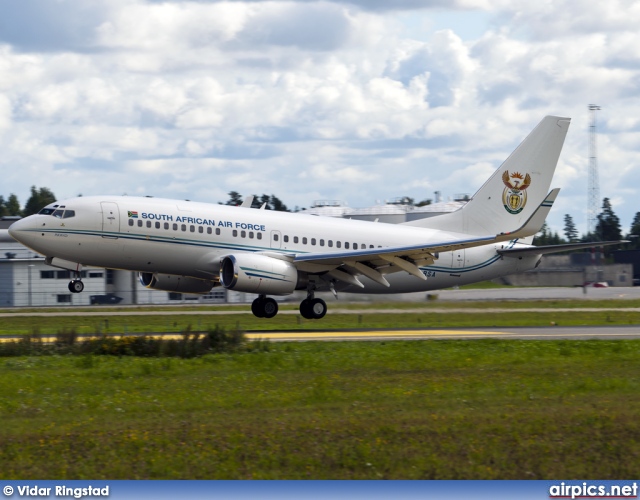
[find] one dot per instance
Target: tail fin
(515, 191)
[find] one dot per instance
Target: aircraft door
(458, 259)
(276, 239)
(110, 219)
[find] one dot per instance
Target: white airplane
(191, 247)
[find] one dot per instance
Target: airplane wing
(375, 263)
(545, 249)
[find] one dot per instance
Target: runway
(529, 333)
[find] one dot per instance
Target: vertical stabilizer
(513, 193)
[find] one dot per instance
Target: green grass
(424, 409)
(379, 317)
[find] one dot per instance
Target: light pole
(30, 267)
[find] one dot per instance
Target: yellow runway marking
(312, 335)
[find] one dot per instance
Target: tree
(39, 198)
(634, 232)
(12, 206)
(608, 226)
(277, 205)
(3, 208)
(570, 231)
(547, 237)
(235, 199)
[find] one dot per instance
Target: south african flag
(133, 215)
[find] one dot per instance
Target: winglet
(247, 202)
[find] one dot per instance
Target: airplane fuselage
(185, 238)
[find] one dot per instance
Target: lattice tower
(593, 189)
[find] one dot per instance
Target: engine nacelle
(174, 283)
(259, 274)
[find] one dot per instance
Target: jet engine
(260, 274)
(174, 283)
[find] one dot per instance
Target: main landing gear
(312, 308)
(266, 307)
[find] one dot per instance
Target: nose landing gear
(76, 285)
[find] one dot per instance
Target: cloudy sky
(355, 100)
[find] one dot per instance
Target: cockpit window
(60, 213)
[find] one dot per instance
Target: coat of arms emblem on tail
(514, 196)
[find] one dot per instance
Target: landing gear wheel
(256, 308)
(305, 309)
(318, 308)
(264, 307)
(313, 308)
(76, 286)
(269, 307)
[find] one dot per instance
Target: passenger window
(313, 241)
(355, 246)
(346, 244)
(243, 234)
(371, 246)
(183, 227)
(192, 229)
(218, 231)
(259, 236)
(286, 238)
(321, 243)
(251, 234)
(338, 244)
(175, 227)
(139, 223)
(131, 222)
(209, 231)
(148, 223)
(275, 237)
(235, 233)
(295, 239)
(330, 243)
(166, 226)
(304, 240)
(68, 214)
(157, 225)
(200, 229)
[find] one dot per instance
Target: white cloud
(308, 99)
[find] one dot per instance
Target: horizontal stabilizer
(542, 250)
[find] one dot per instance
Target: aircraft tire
(76, 286)
(257, 309)
(313, 309)
(269, 307)
(305, 309)
(318, 308)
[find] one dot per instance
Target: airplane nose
(18, 228)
